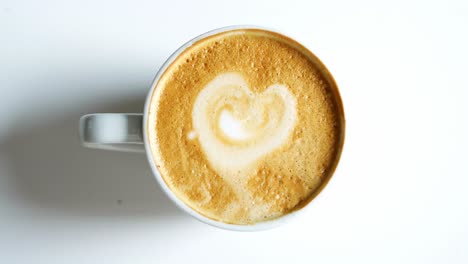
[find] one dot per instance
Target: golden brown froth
(278, 182)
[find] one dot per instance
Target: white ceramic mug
(128, 132)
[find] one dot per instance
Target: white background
(399, 194)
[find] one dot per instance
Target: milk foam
(232, 127)
(236, 127)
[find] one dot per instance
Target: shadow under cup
(134, 132)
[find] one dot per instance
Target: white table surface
(400, 194)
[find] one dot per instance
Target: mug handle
(120, 132)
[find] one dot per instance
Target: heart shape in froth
(236, 127)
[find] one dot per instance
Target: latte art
(236, 126)
(245, 126)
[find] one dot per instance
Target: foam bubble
(192, 135)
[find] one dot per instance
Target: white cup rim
(254, 227)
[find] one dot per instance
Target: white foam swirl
(236, 127)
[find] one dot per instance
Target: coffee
(245, 126)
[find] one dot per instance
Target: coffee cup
(258, 128)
